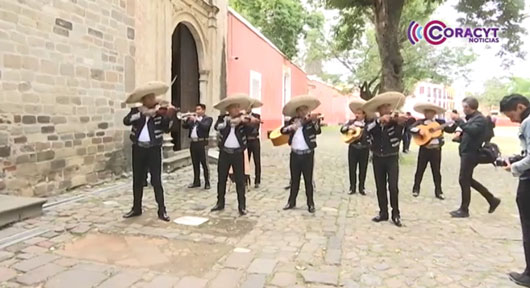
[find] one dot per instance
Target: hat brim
(256, 103)
(154, 87)
(394, 99)
(242, 99)
(305, 100)
(421, 107)
(356, 104)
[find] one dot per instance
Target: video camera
(502, 162)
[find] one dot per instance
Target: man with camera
(473, 136)
(517, 108)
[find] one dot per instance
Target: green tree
(281, 21)
(520, 86)
(390, 19)
(494, 90)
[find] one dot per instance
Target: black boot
(194, 185)
(289, 206)
(380, 218)
(440, 195)
(521, 279)
(311, 209)
(415, 192)
(494, 204)
(162, 215)
(397, 221)
(362, 191)
(218, 207)
(460, 213)
(352, 191)
(207, 186)
(132, 213)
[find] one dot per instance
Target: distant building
(438, 94)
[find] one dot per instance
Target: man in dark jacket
(303, 129)
(232, 128)
(517, 108)
(199, 133)
(473, 136)
(358, 150)
(254, 145)
(430, 152)
(148, 126)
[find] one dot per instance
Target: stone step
(14, 208)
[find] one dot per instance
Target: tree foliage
(281, 21)
(357, 16)
(496, 88)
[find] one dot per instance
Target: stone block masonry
(62, 84)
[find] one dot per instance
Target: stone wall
(65, 66)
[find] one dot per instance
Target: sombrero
(356, 103)
(242, 99)
(256, 103)
(153, 87)
(305, 100)
(420, 107)
(395, 99)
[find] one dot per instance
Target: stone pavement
(86, 243)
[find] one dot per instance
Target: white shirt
(144, 135)
(231, 140)
(194, 130)
(298, 142)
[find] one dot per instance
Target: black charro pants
(199, 158)
(254, 150)
(407, 138)
(468, 162)
(301, 165)
(434, 157)
(142, 160)
(358, 157)
(523, 204)
(386, 170)
(236, 161)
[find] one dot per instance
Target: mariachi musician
(232, 128)
(430, 152)
(386, 132)
(254, 145)
(199, 125)
(359, 149)
(149, 122)
(303, 129)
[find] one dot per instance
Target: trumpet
(185, 116)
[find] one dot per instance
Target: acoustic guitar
(277, 138)
(352, 135)
(428, 132)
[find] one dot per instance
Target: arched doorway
(185, 90)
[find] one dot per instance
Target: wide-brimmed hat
(304, 100)
(256, 103)
(242, 99)
(153, 87)
(356, 103)
(420, 107)
(395, 99)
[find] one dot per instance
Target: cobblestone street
(86, 243)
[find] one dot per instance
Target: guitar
(352, 135)
(429, 131)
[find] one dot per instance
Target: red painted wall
(248, 51)
(333, 103)
(253, 53)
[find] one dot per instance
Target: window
(286, 89)
(255, 87)
(422, 90)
